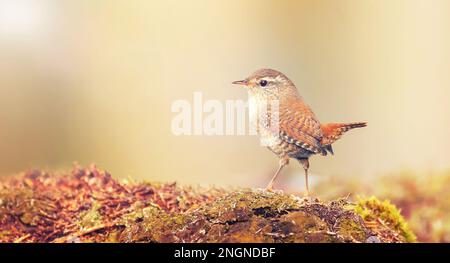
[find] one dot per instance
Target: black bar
(131, 253)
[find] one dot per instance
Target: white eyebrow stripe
(270, 79)
(279, 78)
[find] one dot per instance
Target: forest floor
(89, 205)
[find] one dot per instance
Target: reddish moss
(88, 205)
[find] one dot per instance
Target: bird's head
(270, 83)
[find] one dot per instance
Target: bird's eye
(263, 83)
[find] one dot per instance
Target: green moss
(343, 222)
(236, 205)
(384, 213)
(153, 224)
(91, 218)
(170, 213)
(248, 216)
(253, 230)
(301, 227)
(350, 229)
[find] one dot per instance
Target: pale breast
(261, 119)
(261, 116)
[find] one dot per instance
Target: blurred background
(93, 82)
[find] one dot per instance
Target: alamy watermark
(224, 118)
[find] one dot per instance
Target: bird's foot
(268, 189)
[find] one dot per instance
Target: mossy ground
(384, 218)
(422, 198)
(88, 205)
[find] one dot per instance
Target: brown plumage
(299, 134)
(333, 131)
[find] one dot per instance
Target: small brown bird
(298, 134)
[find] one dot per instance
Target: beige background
(93, 82)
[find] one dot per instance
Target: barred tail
(333, 131)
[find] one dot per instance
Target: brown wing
(299, 126)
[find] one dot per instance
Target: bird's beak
(240, 82)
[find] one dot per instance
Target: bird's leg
(269, 187)
(306, 182)
(305, 164)
(283, 162)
